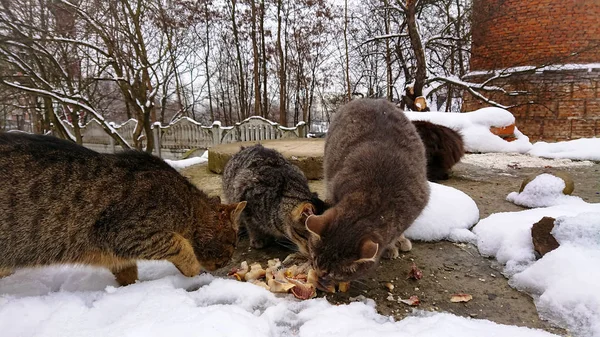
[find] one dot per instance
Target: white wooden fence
(185, 134)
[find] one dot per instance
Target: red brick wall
(566, 103)
(509, 33)
(512, 33)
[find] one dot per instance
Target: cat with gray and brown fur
(376, 180)
(61, 203)
(277, 193)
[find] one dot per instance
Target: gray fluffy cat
(277, 193)
(375, 171)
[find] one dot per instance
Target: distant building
(558, 42)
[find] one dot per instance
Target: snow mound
(183, 163)
(219, 307)
(475, 128)
(564, 283)
(507, 236)
(448, 216)
(543, 191)
(582, 149)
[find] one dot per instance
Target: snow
(543, 191)
(475, 129)
(448, 216)
(584, 148)
(47, 303)
(183, 163)
(552, 67)
(565, 281)
(504, 161)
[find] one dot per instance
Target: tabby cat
(62, 203)
(443, 146)
(277, 193)
(376, 180)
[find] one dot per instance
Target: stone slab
(306, 153)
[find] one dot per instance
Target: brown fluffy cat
(375, 171)
(277, 193)
(444, 148)
(63, 203)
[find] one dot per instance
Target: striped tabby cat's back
(63, 203)
(277, 193)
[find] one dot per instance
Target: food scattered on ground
(460, 298)
(300, 280)
(413, 301)
(415, 273)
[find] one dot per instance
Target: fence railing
(173, 140)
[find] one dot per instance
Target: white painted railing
(185, 134)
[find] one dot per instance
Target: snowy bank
(504, 161)
(475, 128)
(183, 163)
(448, 216)
(564, 283)
(582, 149)
(219, 307)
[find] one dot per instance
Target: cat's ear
(215, 200)
(368, 251)
(305, 209)
(315, 224)
(239, 207)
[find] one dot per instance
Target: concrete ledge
(306, 153)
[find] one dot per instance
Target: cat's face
(215, 247)
(338, 257)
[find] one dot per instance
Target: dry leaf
(389, 286)
(413, 301)
(415, 273)
(461, 298)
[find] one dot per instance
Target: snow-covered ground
(69, 302)
(507, 161)
(565, 282)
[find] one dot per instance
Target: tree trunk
(256, 61)
(206, 60)
(282, 70)
(417, 46)
(388, 53)
(263, 45)
(241, 78)
(347, 54)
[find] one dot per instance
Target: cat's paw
(405, 244)
(391, 253)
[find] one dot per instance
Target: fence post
(302, 131)
(112, 144)
(156, 132)
(216, 133)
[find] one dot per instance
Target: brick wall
(513, 33)
(566, 104)
(509, 33)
